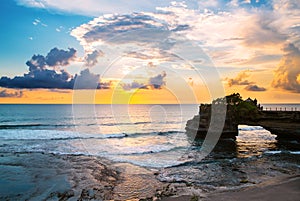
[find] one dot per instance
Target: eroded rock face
(197, 127)
(284, 124)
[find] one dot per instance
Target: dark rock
(284, 124)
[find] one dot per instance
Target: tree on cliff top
(241, 109)
(233, 99)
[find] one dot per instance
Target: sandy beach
(287, 188)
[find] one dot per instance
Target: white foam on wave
(22, 134)
(250, 128)
(273, 152)
(153, 161)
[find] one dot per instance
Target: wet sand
(279, 189)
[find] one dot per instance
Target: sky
(149, 51)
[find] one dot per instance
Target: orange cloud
(287, 74)
(240, 79)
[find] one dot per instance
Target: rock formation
(284, 124)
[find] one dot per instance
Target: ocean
(150, 136)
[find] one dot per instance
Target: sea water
(145, 135)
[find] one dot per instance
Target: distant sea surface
(145, 135)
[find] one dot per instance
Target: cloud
(263, 31)
(136, 28)
(93, 7)
(37, 22)
(239, 79)
(37, 62)
(88, 80)
(57, 57)
(152, 54)
(253, 23)
(158, 81)
(44, 73)
(42, 78)
(254, 88)
(92, 58)
(60, 91)
(287, 74)
(155, 82)
(133, 85)
(148, 30)
(6, 94)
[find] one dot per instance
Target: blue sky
(144, 44)
(28, 31)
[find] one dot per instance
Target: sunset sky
(149, 51)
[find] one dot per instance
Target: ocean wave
(21, 126)
(138, 123)
(19, 134)
(124, 123)
(152, 162)
(273, 152)
(282, 152)
(152, 150)
(25, 134)
(250, 128)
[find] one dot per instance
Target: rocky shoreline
(39, 176)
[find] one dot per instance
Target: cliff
(284, 124)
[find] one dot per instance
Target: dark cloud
(134, 85)
(255, 88)
(287, 75)
(40, 78)
(158, 81)
(92, 59)
(37, 62)
(240, 79)
(44, 74)
(50, 79)
(104, 85)
(57, 57)
(181, 28)
(88, 80)
(6, 94)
